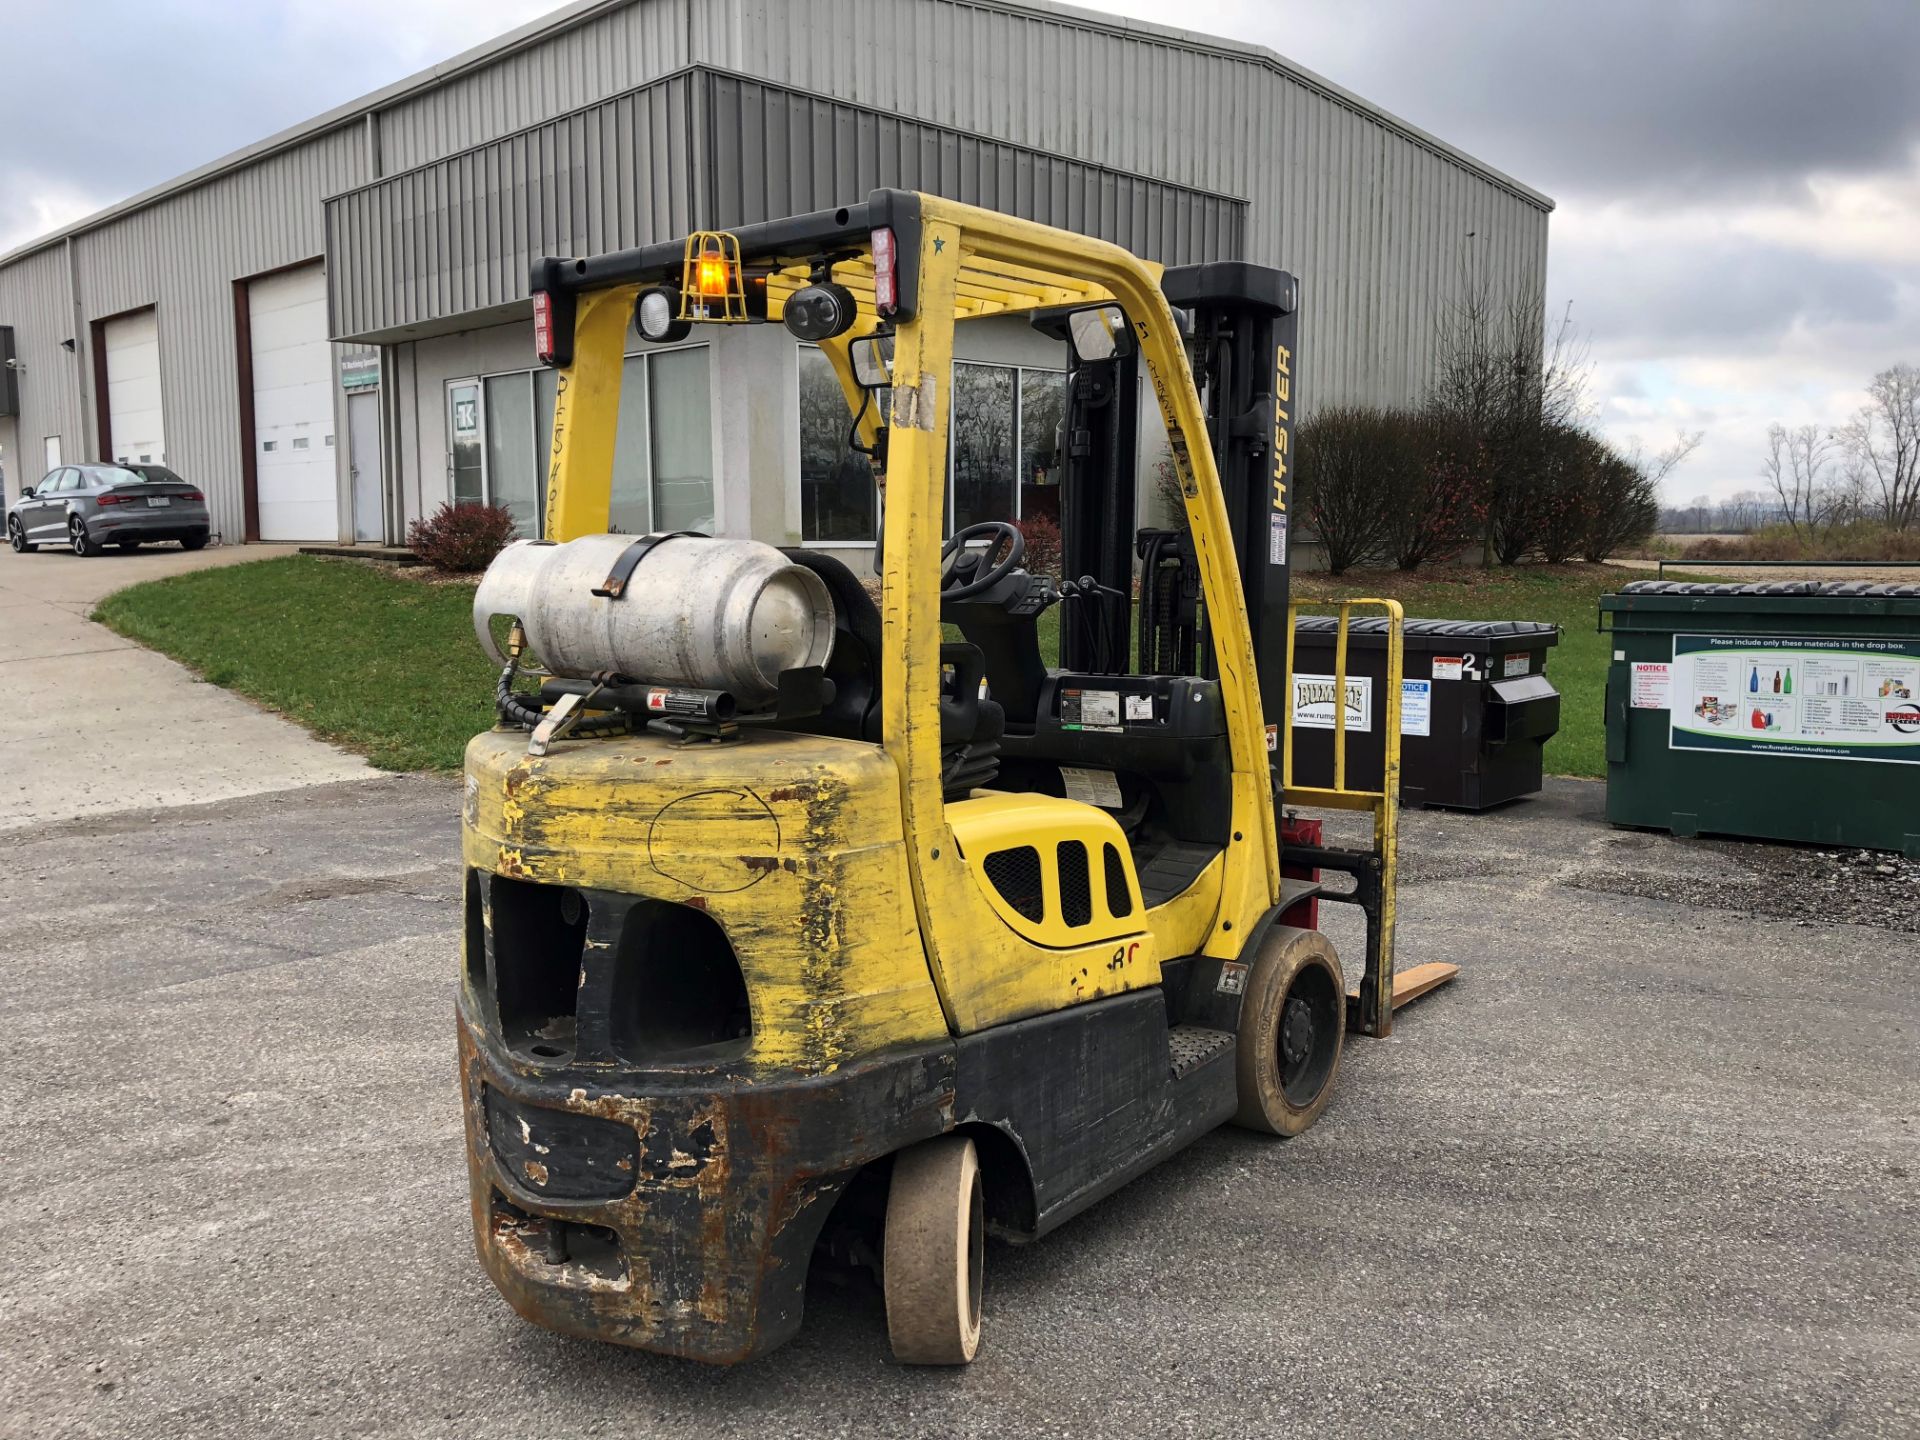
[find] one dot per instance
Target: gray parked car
(86, 507)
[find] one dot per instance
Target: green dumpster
(1785, 711)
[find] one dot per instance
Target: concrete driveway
(1647, 1169)
(94, 723)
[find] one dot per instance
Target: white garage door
(293, 406)
(133, 388)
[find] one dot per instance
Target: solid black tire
(934, 1252)
(1291, 965)
(129, 546)
(194, 542)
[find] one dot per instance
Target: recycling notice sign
(1821, 696)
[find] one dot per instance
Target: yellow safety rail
(1376, 1000)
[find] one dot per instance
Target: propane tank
(711, 614)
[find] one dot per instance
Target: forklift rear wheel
(1291, 1025)
(935, 1252)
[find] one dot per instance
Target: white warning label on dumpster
(1416, 707)
(1313, 702)
(1652, 685)
(1448, 667)
(1822, 696)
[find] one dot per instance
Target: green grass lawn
(1563, 595)
(381, 665)
(389, 667)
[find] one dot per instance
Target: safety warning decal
(1233, 978)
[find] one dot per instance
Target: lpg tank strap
(615, 585)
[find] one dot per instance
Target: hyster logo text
(1282, 415)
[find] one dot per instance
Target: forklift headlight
(821, 312)
(656, 315)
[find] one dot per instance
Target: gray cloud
(1671, 297)
(1635, 97)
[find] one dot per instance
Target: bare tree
(1799, 470)
(1504, 382)
(1882, 445)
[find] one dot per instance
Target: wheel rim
(77, 534)
(15, 535)
(1309, 1035)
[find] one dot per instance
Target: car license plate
(159, 501)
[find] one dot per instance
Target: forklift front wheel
(1291, 1025)
(935, 1252)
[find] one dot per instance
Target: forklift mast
(1242, 348)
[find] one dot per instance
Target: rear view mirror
(1098, 333)
(872, 357)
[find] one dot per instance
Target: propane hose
(515, 711)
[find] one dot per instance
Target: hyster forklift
(792, 924)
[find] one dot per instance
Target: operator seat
(970, 726)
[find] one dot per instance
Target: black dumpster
(1476, 707)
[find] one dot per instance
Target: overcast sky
(1738, 181)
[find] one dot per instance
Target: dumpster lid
(1436, 629)
(1848, 588)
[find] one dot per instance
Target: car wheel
(17, 536)
(127, 546)
(77, 536)
(193, 542)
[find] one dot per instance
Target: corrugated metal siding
(34, 300)
(181, 256)
(1373, 220)
(460, 235)
(780, 152)
(608, 55)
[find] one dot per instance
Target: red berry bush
(461, 538)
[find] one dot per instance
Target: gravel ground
(1784, 882)
(1647, 1168)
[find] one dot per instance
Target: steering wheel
(956, 561)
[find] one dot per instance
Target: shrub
(1348, 460)
(461, 538)
(1434, 505)
(1043, 544)
(1623, 508)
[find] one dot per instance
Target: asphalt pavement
(1648, 1168)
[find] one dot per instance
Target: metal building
(329, 329)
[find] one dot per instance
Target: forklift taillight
(543, 326)
(886, 288)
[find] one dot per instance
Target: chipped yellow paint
(792, 843)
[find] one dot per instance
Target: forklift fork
(1375, 871)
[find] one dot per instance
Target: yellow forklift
(792, 924)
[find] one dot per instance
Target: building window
(836, 483)
(1001, 457)
(663, 444)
